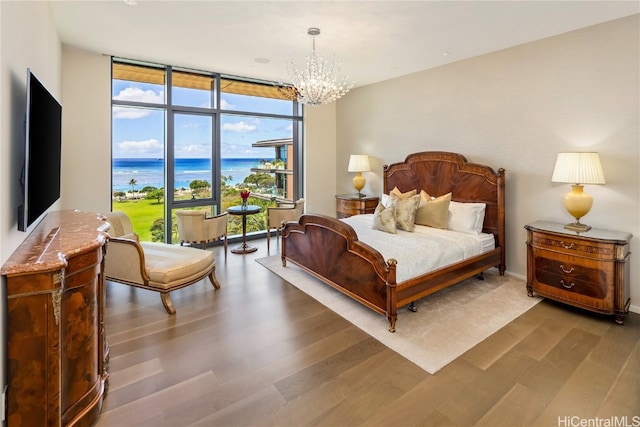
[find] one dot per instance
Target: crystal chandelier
(318, 83)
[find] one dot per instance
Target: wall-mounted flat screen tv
(43, 152)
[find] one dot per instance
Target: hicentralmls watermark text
(615, 421)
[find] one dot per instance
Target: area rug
(446, 325)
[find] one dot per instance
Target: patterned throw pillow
(384, 219)
(406, 211)
(433, 212)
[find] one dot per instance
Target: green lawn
(144, 213)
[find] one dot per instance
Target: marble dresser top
(59, 236)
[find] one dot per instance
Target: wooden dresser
(350, 204)
(588, 270)
(56, 348)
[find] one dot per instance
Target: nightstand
(350, 204)
(587, 270)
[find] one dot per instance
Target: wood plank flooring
(258, 352)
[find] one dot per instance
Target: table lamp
(359, 163)
(578, 169)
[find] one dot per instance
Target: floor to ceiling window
(192, 140)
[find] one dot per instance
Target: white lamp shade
(359, 163)
(578, 168)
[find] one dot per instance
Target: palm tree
(133, 184)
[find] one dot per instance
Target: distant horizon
(150, 170)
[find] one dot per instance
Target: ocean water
(149, 172)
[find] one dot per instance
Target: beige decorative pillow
(384, 219)
(433, 212)
(402, 195)
(406, 211)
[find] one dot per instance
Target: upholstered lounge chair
(195, 228)
(283, 212)
(154, 266)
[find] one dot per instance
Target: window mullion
(169, 159)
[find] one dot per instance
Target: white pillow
(386, 200)
(466, 217)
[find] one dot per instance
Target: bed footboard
(329, 249)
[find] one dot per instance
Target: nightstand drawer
(564, 274)
(352, 204)
(347, 205)
(575, 246)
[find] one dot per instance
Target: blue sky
(139, 132)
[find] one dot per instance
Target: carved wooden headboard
(438, 173)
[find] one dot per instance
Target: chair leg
(166, 301)
(214, 280)
(268, 237)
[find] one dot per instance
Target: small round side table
(244, 211)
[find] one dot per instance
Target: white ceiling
(373, 40)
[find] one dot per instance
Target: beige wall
(517, 109)
(86, 156)
(28, 40)
(320, 159)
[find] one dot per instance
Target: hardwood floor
(258, 352)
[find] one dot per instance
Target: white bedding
(423, 250)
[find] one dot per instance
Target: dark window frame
(216, 113)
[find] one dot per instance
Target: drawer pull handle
(565, 270)
(567, 286)
(569, 246)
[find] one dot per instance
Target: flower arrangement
(244, 194)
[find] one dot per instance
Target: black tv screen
(43, 153)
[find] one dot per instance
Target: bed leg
(412, 307)
(529, 290)
(392, 325)
(284, 261)
(481, 275)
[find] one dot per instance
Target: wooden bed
(329, 249)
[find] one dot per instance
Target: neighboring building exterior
(280, 166)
